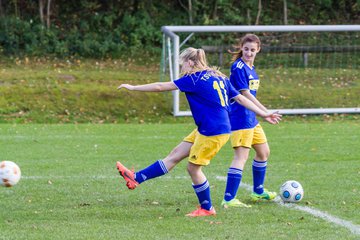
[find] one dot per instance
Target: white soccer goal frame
(172, 45)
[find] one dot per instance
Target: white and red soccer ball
(10, 173)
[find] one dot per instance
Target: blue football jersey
(242, 77)
(208, 96)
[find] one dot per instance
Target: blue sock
(233, 182)
(259, 171)
(156, 169)
(203, 193)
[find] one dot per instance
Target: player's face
(249, 51)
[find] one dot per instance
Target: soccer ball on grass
(9, 173)
(291, 191)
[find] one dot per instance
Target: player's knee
(264, 155)
(193, 169)
(267, 154)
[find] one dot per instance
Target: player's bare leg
(179, 153)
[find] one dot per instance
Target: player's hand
(273, 118)
(127, 86)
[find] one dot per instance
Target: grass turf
(70, 188)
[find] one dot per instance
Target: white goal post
(172, 45)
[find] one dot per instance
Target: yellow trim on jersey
(248, 137)
(205, 147)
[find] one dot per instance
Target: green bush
(98, 38)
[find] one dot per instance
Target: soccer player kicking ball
(246, 130)
(208, 92)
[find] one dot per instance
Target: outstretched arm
(248, 95)
(272, 118)
(151, 87)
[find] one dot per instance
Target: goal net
(304, 69)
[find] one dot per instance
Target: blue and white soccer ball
(291, 191)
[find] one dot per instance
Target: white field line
(316, 213)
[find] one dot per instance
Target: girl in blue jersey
(208, 92)
(246, 133)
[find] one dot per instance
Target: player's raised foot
(201, 212)
(266, 195)
(128, 175)
(234, 203)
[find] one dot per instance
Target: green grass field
(70, 188)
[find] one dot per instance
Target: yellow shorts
(248, 137)
(205, 147)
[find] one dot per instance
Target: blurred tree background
(115, 28)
